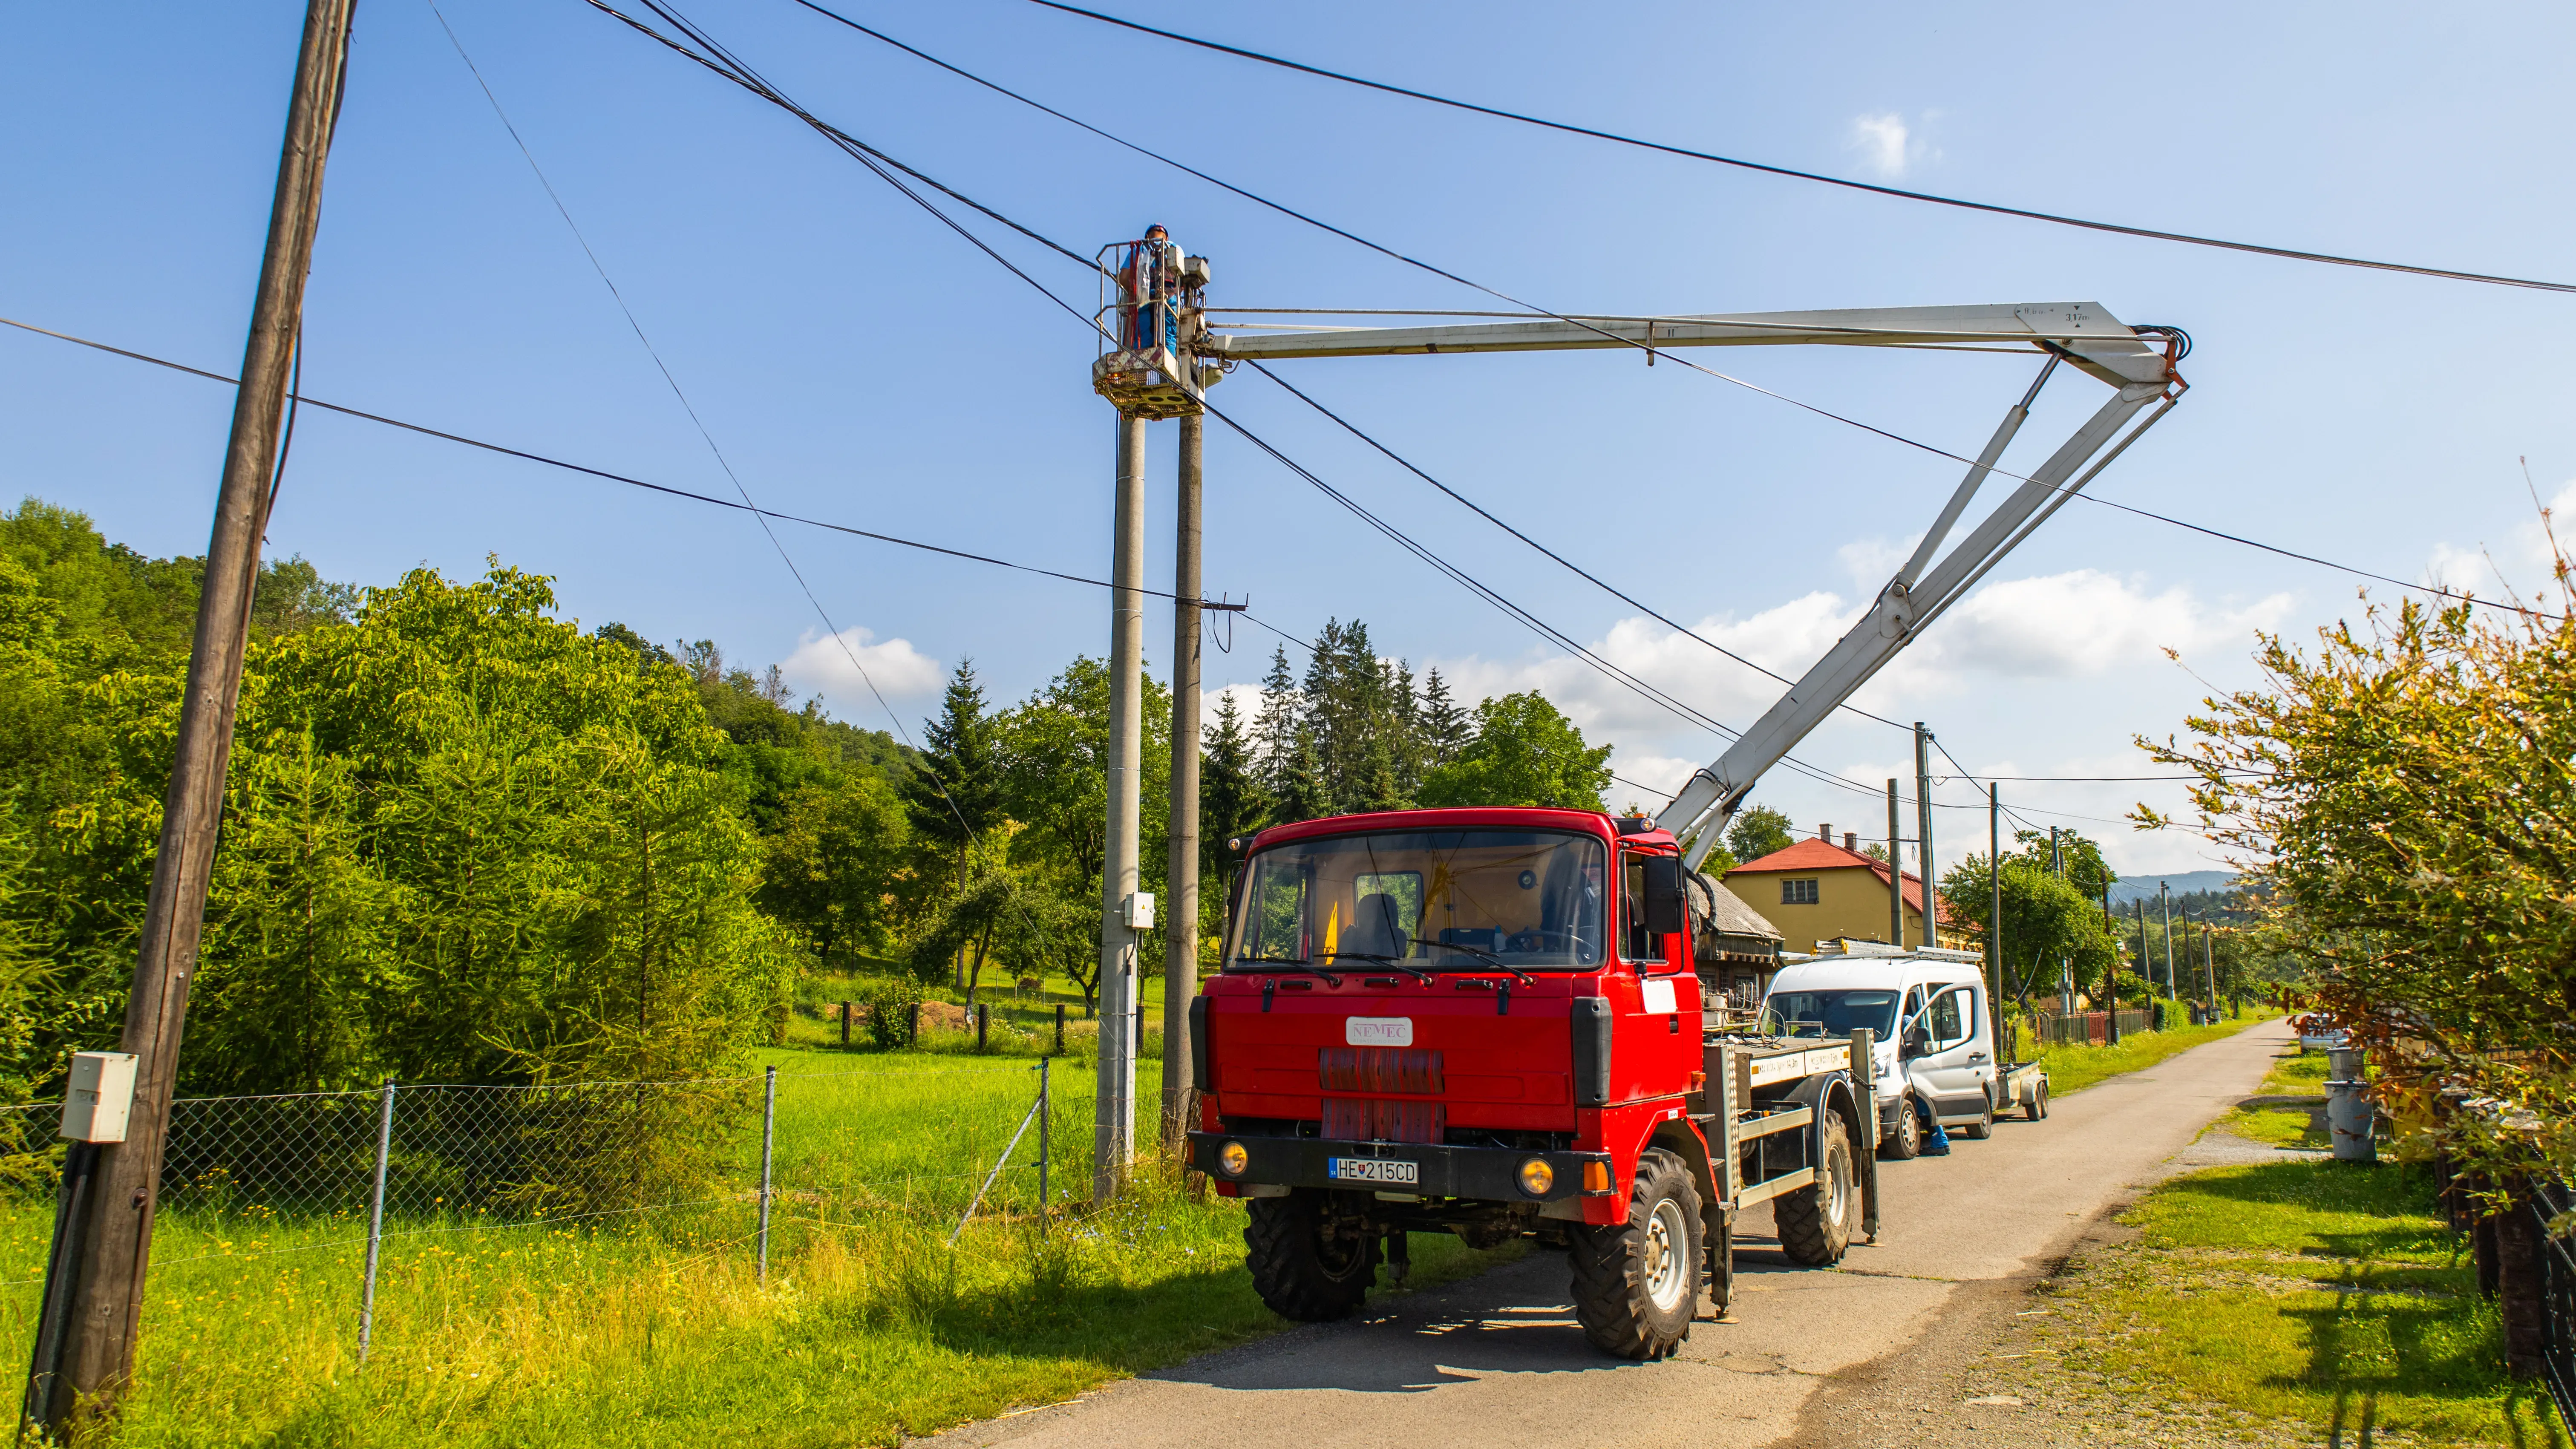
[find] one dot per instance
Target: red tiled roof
(1812, 854)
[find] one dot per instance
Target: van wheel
(1301, 1266)
(1636, 1284)
(1984, 1126)
(1814, 1223)
(1906, 1142)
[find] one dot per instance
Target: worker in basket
(1146, 321)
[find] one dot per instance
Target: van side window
(1946, 1024)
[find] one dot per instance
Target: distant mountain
(2130, 888)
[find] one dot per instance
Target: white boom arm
(2081, 334)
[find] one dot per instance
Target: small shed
(1736, 950)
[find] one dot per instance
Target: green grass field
(2288, 1110)
(656, 1330)
(2325, 1294)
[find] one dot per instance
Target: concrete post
(1181, 872)
(1114, 1120)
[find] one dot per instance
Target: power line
(1901, 193)
(717, 59)
(632, 482)
(1529, 309)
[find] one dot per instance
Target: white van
(1935, 1037)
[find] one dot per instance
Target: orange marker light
(1596, 1177)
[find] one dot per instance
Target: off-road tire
(1636, 1284)
(1814, 1223)
(1300, 1273)
(1984, 1126)
(2038, 1106)
(1906, 1142)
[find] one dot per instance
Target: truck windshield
(1830, 1013)
(1529, 899)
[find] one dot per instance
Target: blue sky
(856, 362)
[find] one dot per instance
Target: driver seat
(1375, 929)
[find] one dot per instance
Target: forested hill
(465, 840)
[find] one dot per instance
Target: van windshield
(1528, 899)
(1829, 1013)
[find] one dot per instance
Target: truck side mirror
(1666, 908)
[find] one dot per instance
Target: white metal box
(99, 1097)
(1140, 911)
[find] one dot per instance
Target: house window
(1797, 893)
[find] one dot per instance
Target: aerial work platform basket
(1149, 311)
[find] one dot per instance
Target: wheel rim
(1667, 1251)
(1837, 1187)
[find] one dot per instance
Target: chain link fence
(325, 1183)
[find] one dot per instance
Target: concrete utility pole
(1181, 876)
(2209, 968)
(105, 1301)
(1113, 1137)
(2111, 973)
(1895, 873)
(1994, 914)
(2146, 960)
(2164, 899)
(1923, 831)
(2065, 963)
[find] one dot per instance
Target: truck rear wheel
(1636, 1284)
(1301, 1266)
(1814, 1222)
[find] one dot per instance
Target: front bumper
(1491, 1174)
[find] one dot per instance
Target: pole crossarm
(2084, 333)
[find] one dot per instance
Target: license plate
(1372, 1169)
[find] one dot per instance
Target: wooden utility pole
(1181, 879)
(106, 1300)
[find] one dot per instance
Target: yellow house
(1817, 891)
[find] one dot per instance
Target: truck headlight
(1232, 1159)
(1537, 1177)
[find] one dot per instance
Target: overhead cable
(1531, 310)
(1901, 193)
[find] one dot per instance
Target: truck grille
(1366, 1119)
(1379, 1069)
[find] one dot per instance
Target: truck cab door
(1956, 1069)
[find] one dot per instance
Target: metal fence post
(1046, 1110)
(376, 1219)
(768, 1140)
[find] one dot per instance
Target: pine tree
(1275, 732)
(1231, 800)
(956, 788)
(1301, 789)
(1404, 719)
(1376, 787)
(1444, 728)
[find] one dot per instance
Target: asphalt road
(1498, 1359)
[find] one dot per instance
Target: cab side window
(1947, 1022)
(1634, 943)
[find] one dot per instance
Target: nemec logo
(1378, 1031)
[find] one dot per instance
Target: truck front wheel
(1814, 1222)
(1636, 1284)
(1304, 1264)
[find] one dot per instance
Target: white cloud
(2083, 623)
(1888, 145)
(822, 665)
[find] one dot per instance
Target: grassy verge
(2322, 1294)
(2073, 1068)
(868, 1330)
(658, 1330)
(2288, 1110)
